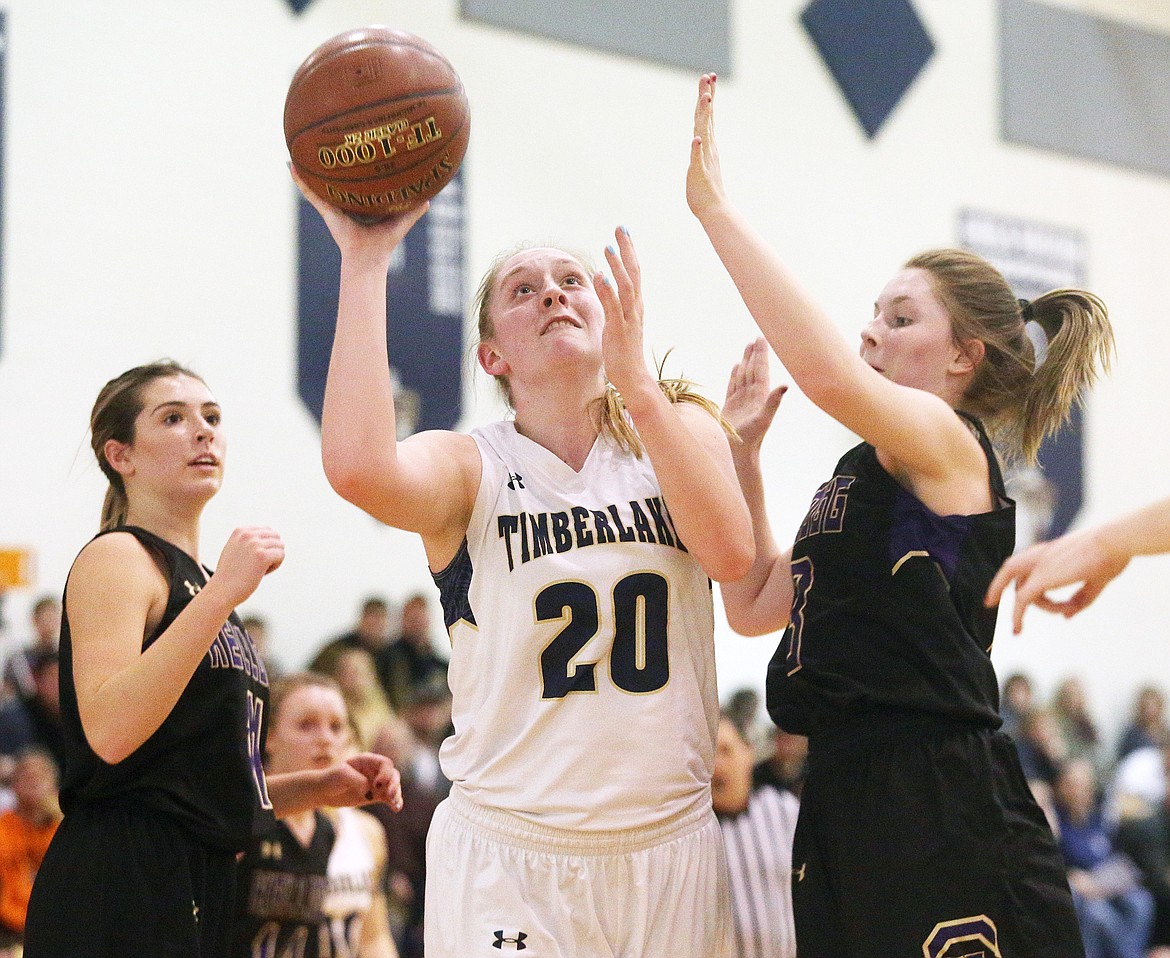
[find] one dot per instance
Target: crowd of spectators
(1109, 807)
(394, 682)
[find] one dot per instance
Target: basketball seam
(375, 104)
(314, 67)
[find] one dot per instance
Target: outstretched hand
(376, 240)
(704, 177)
(362, 779)
(751, 403)
(621, 341)
(1071, 559)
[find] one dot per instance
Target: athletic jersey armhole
(489, 474)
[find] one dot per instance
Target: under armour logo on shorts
(518, 941)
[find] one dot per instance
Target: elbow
(741, 622)
(345, 473)
(732, 562)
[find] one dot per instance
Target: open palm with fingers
(751, 401)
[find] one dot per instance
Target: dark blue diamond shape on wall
(299, 5)
(873, 48)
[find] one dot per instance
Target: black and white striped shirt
(759, 860)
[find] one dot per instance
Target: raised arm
(687, 446)
(917, 429)
(761, 601)
(1091, 557)
(116, 595)
(424, 484)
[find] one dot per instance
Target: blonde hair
(113, 417)
(608, 409)
(1019, 401)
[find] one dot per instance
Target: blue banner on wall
(424, 313)
(873, 48)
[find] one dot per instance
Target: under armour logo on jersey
(193, 589)
(515, 481)
(517, 942)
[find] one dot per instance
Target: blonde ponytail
(1080, 348)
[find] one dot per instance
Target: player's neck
(303, 826)
(179, 529)
(570, 440)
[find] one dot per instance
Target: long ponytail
(1021, 394)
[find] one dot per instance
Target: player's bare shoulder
(117, 558)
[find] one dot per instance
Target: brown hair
(1020, 402)
(608, 408)
(283, 688)
(286, 685)
(113, 416)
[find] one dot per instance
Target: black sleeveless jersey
(203, 764)
(887, 616)
(294, 901)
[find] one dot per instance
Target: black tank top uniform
(203, 764)
(918, 833)
(144, 861)
(887, 616)
(281, 894)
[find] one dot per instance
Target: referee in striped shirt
(758, 823)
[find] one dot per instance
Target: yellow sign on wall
(16, 569)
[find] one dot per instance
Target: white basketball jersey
(583, 663)
(350, 870)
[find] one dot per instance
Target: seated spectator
(1147, 727)
(368, 709)
(1041, 746)
(25, 832)
(257, 628)
(1114, 910)
(758, 823)
(406, 836)
(787, 766)
(410, 660)
(1070, 706)
(744, 709)
(428, 714)
(371, 632)
(18, 670)
(1138, 787)
(1140, 805)
(1017, 700)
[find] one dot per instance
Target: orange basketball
(376, 121)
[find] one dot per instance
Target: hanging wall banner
(424, 313)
